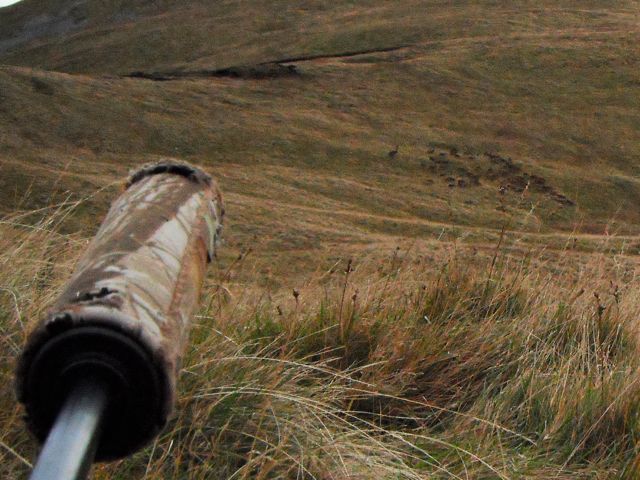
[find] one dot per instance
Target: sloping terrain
(73, 125)
(343, 130)
(514, 92)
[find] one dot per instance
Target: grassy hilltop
(489, 326)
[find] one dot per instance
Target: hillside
(541, 87)
(498, 134)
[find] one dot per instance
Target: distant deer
(392, 154)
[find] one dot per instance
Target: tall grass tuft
(405, 368)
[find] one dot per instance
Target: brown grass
(396, 366)
(551, 86)
(440, 355)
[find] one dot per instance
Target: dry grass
(552, 86)
(498, 341)
(393, 366)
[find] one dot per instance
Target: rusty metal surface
(142, 273)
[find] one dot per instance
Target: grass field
(489, 327)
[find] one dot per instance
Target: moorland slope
(478, 160)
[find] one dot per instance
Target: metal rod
(71, 444)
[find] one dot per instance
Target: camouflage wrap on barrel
(141, 277)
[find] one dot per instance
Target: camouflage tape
(141, 275)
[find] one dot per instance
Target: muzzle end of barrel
(170, 166)
(51, 369)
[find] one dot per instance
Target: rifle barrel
(71, 444)
(123, 318)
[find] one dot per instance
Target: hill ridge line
(352, 53)
(275, 68)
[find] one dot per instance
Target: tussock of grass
(396, 369)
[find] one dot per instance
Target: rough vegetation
(430, 265)
(390, 366)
